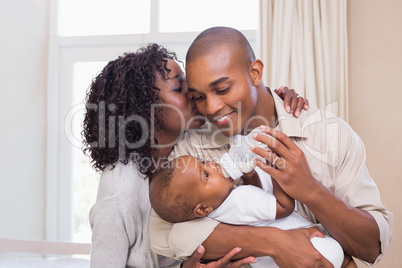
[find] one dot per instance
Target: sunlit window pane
(103, 17)
(195, 15)
(84, 177)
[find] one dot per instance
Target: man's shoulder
(320, 120)
(328, 138)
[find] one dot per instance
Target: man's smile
(223, 119)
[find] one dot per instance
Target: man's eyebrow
(214, 83)
(220, 80)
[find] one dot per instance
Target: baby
(188, 188)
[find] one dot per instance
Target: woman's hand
(294, 103)
(226, 261)
(287, 164)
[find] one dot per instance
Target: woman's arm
(110, 244)
(224, 262)
(294, 103)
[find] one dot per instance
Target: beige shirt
(337, 159)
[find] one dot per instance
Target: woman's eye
(199, 98)
(180, 89)
(206, 174)
(202, 161)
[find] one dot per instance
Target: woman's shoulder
(120, 180)
(120, 168)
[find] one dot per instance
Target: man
(322, 164)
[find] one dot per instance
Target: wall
(375, 91)
(23, 67)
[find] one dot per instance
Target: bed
(54, 254)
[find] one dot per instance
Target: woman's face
(178, 112)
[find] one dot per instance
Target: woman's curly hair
(117, 121)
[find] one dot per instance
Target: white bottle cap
(229, 166)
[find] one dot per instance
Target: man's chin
(196, 122)
(231, 127)
(229, 132)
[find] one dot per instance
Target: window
(103, 17)
(84, 36)
(85, 180)
(196, 16)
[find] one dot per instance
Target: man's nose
(213, 105)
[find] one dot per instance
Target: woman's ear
(202, 210)
(256, 69)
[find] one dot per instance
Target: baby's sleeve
(247, 205)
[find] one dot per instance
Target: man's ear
(202, 210)
(256, 69)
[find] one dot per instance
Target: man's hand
(356, 230)
(288, 248)
(302, 252)
(287, 164)
(226, 261)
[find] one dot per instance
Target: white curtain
(304, 46)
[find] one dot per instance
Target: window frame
(59, 198)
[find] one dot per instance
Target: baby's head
(187, 188)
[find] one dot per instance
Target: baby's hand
(252, 178)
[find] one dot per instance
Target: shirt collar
(289, 124)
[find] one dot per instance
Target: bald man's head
(218, 37)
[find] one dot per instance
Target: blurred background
(51, 49)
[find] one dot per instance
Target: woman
(137, 109)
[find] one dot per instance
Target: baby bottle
(239, 159)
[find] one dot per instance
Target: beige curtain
(304, 46)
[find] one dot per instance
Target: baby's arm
(285, 204)
(252, 178)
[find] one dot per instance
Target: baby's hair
(169, 206)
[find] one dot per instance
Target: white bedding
(54, 248)
(45, 263)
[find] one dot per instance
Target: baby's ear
(202, 210)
